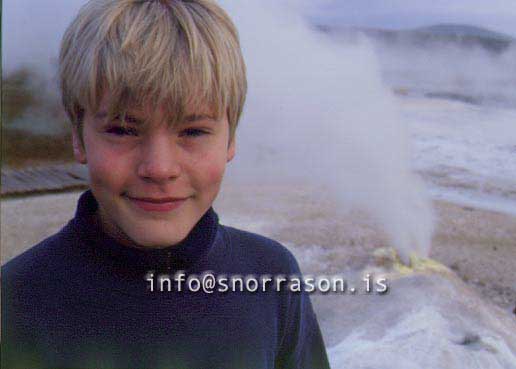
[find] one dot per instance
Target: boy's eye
(193, 132)
(122, 131)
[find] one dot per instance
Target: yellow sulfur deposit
(389, 256)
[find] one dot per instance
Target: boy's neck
(114, 245)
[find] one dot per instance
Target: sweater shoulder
(38, 259)
(266, 254)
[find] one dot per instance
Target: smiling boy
(154, 91)
(153, 180)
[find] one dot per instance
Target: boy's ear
(78, 149)
(231, 150)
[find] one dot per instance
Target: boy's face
(153, 182)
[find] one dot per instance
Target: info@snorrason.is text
(209, 282)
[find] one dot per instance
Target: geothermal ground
(479, 245)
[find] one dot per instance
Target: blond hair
(178, 54)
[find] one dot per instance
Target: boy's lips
(161, 204)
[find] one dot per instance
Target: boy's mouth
(161, 204)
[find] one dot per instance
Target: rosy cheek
(215, 172)
(99, 173)
(107, 169)
(211, 171)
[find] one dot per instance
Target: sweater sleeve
(302, 345)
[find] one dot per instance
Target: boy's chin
(156, 242)
(149, 238)
(154, 233)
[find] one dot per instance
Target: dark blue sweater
(79, 299)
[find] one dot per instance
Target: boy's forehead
(149, 110)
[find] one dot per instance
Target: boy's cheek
(214, 172)
(103, 180)
(107, 170)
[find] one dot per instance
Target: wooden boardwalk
(41, 179)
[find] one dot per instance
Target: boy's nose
(159, 160)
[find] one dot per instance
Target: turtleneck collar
(128, 260)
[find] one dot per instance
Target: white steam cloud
(317, 113)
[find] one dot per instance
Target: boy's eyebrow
(191, 118)
(101, 115)
(197, 117)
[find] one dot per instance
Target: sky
(32, 28)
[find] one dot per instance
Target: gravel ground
(479, 245)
